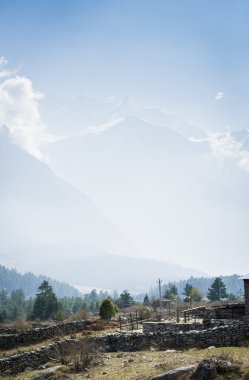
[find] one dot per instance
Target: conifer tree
(217, 291)
(46, 304)
(107, 309)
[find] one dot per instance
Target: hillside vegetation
(11, 280)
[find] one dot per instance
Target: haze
(124, 132)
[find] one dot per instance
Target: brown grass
(145, 364)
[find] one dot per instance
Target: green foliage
(146, 300)
(187, 290)
(234, 284)
(59, 316)
(171, 292)
(11, 280)
(107, 309)
(46, 304)
(217, 291)
(192, 294)
(15, 305)
(12, 307)
(196, 295)
(125, 300)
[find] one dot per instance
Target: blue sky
(173, 53)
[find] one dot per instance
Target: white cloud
(4, 72)
(224, 146)
(220, 95)
(19, 111)
(3, 61)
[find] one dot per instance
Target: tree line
(216, 292)
(199, 287)
(46, 304)
(11, 280)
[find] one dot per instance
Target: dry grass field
(145, 364)
(140, 365)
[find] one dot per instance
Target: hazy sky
(189, 56)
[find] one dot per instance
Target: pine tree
(192, 294)
(125, 299)
(46, 304)
(146, 300)
(217, 291)
(171, 292)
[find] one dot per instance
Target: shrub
(144, 312)
(107, 309)
(79, 355)
(81, 314)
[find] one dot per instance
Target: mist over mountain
(179, 196)
(127, 137)
(86, 267)
(49, 227)
(11, 280)
(37, 207)
(167, 195)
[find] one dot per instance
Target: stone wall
(161, 327)
(39, 334)
(223, 336)
(231, 335)
(33, 359)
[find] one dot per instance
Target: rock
(211, 347)
(170, 351)
(175, 374)
(46, 373)
(45, 366)
(209, 369)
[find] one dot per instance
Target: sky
(188, 56)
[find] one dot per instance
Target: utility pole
(219, 295)
(160, 292)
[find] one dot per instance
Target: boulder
(47, 373)
(216, 367)
(175, 374)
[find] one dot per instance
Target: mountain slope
(47, 226)
(10, 280)
(37, 207)
(179, 200)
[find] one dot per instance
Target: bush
(107, 309)
(79, 355)
(144, 312)
(81, 314)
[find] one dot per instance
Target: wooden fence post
(132, 326)
(120, 323)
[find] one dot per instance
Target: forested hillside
(10, 280)
(234, 285)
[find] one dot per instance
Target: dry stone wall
(231, 335)
(33, 359)
(161, 327)
(223, 336)
(39, 334)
